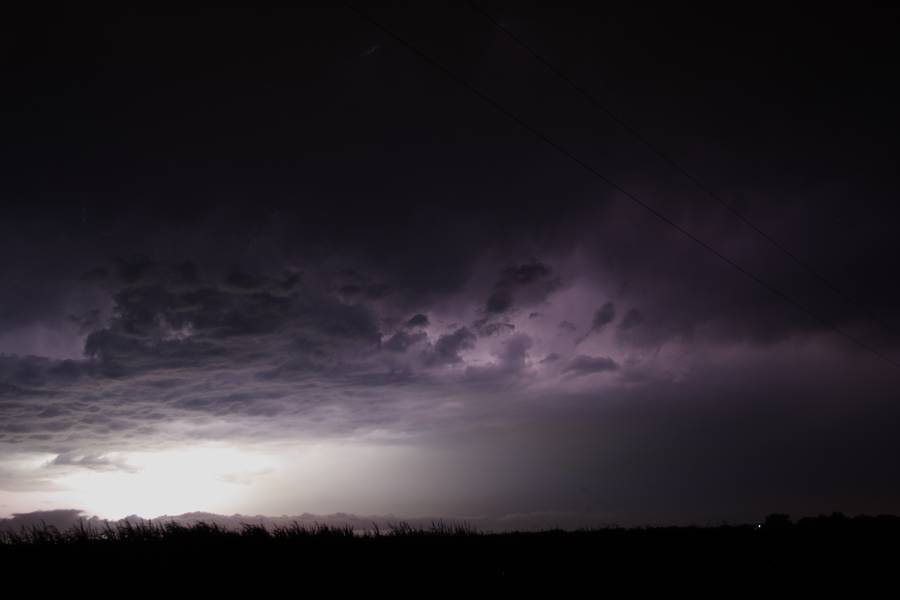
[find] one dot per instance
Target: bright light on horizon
(360, 475)
(209, 478)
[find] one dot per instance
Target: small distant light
(758, 526)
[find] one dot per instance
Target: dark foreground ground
(814, 554)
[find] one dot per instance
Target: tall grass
(150, 532)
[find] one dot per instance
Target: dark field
(813, 552)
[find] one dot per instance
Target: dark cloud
(515, 352)
(499, 301)
(567, 326)
(95, 275)
(447, 347)
(164, 340)
(587, 365)
(184, 273)
(95, 462)
(530, 281)
(632, 319)
(418, 320)
(350, 289)
(510, 360)
(132, 269)
(603, 316)
(242, 280)
(487, 329)
(88, 321)
(524, 274)
(374, 291)
(29, 374)
(400, 341)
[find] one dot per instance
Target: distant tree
(777, 521)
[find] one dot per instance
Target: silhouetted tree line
(834, 523)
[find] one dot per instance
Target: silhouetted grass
(167, 532)
(822, 548)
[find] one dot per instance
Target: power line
(654, 149)
(587, 167)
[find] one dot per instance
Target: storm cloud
(307, 244)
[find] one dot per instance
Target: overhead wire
(459, 80)
(671, 162)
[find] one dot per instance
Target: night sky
(286, 262)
